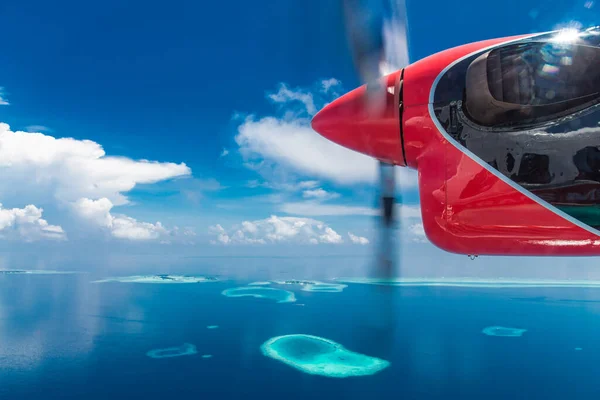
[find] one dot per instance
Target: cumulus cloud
(78, 173)
(275, 230)
(98, 212)
(224, 153)
(71, 169)
(288, 142)
(219, 231)
(27, 224)
(358, 239)
(125, 227)
(319, 194)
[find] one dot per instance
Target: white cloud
(224, 153)
(330, 236)
(293, 144)
(319, 194)
(3, 101)
(67, 171)
(276, 229)
(307, 184)
(125, 227)
(27, 224)
(358, 239)
(71, 169)
(119, 226)
(329, 84)
(222, 236)
(96, 211)
(285, 95)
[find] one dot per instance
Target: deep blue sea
(63, 337)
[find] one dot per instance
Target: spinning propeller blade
(377, 34)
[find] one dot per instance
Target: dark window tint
(531, 82)
(534, 169)
(587, 161)
(543, 73)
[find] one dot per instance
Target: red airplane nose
(366, 121)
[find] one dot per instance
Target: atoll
(36, 272)
(314, 286)
(503, 331)
(279, 295)
(320, 356)
(186, 349)
(165, 279)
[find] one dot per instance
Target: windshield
(543, 73)
(532, 82)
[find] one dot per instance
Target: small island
(35, 272)
(503, 331)
(319, 356)
(279, 295)
(187, 349)
(314, 286)
(164, 279)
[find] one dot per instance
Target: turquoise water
(64, 337)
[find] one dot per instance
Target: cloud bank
(75, 175)
(358, 239)
(274, 230)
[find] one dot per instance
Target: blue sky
(218, 97)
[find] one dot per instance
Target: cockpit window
(531, 82)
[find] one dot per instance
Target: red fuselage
(502, 162)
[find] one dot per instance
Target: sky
(152, 126)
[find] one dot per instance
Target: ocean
(62, 336)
